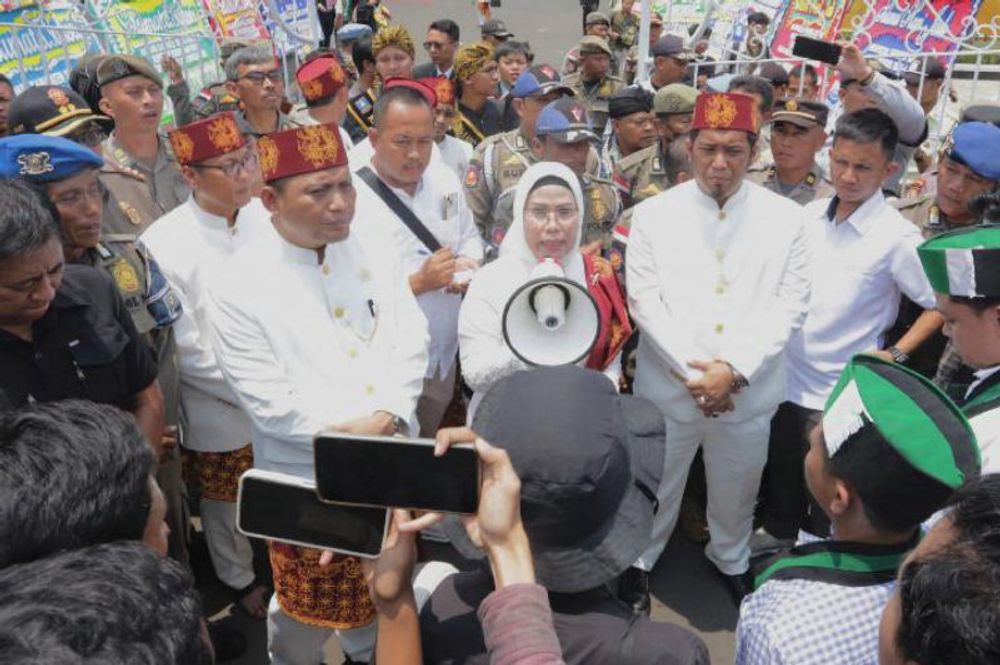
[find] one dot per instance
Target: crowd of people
(796, 362)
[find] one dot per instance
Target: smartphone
(285, 508)
(816, 49)
(396, 472)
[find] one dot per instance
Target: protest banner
(33, 48)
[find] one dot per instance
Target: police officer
(798, 132)
(967, 168)
(66, 175)
(597, 25)
(214, 98)
(139, 170)
(632, 125)
(347, 37)
(646, 173)
(593, 83)
(57, 111)
(564, 134)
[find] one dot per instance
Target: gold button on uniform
(326, 269)
(719, 290)
(722, 215)
(338, 312)
(353, 353)
(369, 389)
(719, 328)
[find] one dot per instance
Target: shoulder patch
(473, 175)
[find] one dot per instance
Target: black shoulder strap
(399, 208)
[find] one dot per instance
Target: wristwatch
(739, 381)
(898, 356)
(399, 424)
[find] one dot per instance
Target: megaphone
(550, 320)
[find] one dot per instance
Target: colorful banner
(36, 55)
(297, 16)
(806, 17)
(235, 19)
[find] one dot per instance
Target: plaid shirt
(805, 622)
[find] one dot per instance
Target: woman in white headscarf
(548, 209)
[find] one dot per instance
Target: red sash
(615, 327)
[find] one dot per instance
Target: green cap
(674, 98)
(116, 67)
(875, 398)
(965, 262)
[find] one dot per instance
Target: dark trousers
(326, 23)
(784, 497)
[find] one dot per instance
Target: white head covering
(515, 244)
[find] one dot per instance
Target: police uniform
(643, 175)
(360, 115)
(814, 186)
(966, 264)
(213, 98)
(820, 604)
(138, 194)
(595, 94)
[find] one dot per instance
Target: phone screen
(293, 513)
(816, 49)
(399, 473)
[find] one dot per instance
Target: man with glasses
(218, 220)
(254, 75)
(441, 45)
(139, 170)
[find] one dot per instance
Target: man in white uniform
(717, 276)
(219, 218)
(316, 329)
(425, 212)
(964, 268)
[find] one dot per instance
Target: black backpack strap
(399, 208)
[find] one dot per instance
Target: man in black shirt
(64, 331)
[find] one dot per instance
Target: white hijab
(515, 245)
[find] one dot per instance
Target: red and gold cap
(725, 110)
(300, 150)
(206, 138)
(444, 89)
(320, 77)
(420, 86)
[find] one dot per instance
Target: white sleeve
(765, 335)
(256, 375)
(409, 352)
(470, 243)
(901, 107)
(196, 359)
(672, 338)
(485, 356)
(907, 270)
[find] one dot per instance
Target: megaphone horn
(550, 320)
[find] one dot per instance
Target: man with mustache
(254, 75)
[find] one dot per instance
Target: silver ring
(701, 399)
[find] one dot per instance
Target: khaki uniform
(815, 185)
(213, 98)
(596, 96)
(642, 175)
(135, 194)
(627, 28)
(496, 166)
(602, 209)
(284, 122)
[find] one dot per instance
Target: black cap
(50, 110)
(774, 73)
(633, 99)
(83, 79)
(495, 28)
(982, 113)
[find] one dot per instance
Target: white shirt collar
(733, 202)
(209, 219)
(861, 219)
(300, 255)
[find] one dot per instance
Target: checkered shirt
(805, 622)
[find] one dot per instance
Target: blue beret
(352, 32)
(44, 158)
(976, 144)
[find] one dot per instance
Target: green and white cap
(965, 262)
(876, 399)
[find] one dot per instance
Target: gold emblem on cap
(267, 152)
(312, 89)
(318, 145)
(60, 99)
(183, 146)
(791, 105)
(35, 163)
(336, 73)
(720, 111)
(224, 134)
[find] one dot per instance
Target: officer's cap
(976, 145)
(352, 32)
(52, 110)
(674, 98)
(565, 120)
(594, 45)
(876, 400)
(671, 45)
(116, 67)
(800, 112)
(44, 158)
(964, 263)
(539, 80)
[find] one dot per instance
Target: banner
(36, 55)
(297, 16)
(820, 20)
(235, 19)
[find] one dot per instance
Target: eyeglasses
(232, 169)
(91, 138)
(540, 214)
(430, 46)
(257, 78)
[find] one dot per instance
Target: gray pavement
(685, 588)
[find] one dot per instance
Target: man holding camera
(312, 332)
